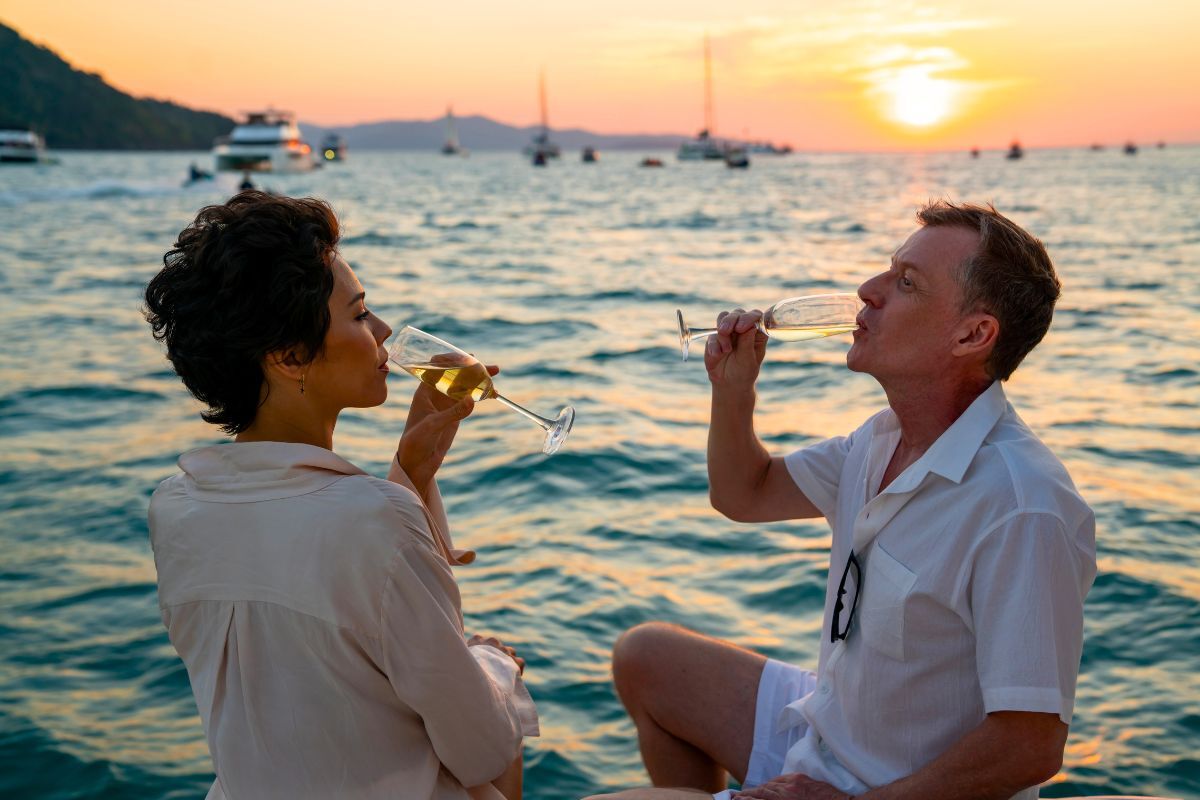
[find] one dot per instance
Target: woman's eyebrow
(357, 298)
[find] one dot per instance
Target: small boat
(451, 146)
(197, 175)
(590, 156)
(651, 162)
(1096, 147)
(1015, 151)
(267, 141)
(541, 144)
(1130, 149)
(769, 149)
(333, 148)
(22, 147)
(1161, 145)
(737, 158)
(974, 152)
(704, 147)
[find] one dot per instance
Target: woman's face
(351, 371)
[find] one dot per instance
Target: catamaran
(704, 147)
(451, 147)
(541, 148)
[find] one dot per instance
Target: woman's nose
(383, 332)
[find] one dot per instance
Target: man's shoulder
(1014, 457)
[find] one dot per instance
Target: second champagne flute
(794, 319)
(458, 374)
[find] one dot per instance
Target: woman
(313, 604)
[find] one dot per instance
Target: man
(961, 556)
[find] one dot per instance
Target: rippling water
(568, 277)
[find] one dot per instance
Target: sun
(915, 98)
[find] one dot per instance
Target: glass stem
(542, 422)
(703, 333)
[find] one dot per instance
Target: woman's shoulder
(396, 506)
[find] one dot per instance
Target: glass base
(557, 434)
(684, 339)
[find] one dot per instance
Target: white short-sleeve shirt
(976, 561)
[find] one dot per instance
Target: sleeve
(473, 723)
(1026, 594)
(817, 471)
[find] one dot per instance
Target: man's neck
(927, 410)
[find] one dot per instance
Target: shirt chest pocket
(885, 592)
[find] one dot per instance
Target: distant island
(76, 110)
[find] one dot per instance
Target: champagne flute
(795, 319)
(457, 374)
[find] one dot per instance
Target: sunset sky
(820, 75)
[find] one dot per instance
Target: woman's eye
(366, 313)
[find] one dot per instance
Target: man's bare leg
(692, 699)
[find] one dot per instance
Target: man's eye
(906, 282)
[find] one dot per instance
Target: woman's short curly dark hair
(244, 279)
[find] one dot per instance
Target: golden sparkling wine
(456, 382)
(801, 333)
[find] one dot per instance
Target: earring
(301, 384)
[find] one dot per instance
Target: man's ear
(976, 334)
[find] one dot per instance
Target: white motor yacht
(268, 141)
(21, 147)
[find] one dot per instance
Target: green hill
(78, 110)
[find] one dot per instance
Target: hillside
(78, 110)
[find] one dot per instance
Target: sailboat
(451, 147)
(703, 147)
(541, 148)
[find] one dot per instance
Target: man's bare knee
(638, 653)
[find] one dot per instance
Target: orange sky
(845, 75)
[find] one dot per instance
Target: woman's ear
(976, 335)
(285, 364)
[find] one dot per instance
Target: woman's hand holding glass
(429, 432)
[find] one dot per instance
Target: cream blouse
(315, 610)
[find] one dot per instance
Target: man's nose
(869, 291)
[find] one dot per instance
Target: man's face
(910, 323)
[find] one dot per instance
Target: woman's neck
(297, 425)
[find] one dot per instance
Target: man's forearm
(1008, 752)
(736, 458)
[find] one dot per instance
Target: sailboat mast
(542, 100)
(708, 112)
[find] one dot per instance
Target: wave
(99, 190)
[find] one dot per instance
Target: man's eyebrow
(905, 265)
(357, 298)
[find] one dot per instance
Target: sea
(568, 277)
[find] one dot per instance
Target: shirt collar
(955, 449)
(244, 472)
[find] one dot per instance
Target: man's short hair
(1010, 277)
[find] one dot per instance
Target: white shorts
(780, 684)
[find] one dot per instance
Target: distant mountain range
(77, 110)
(478, 133)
